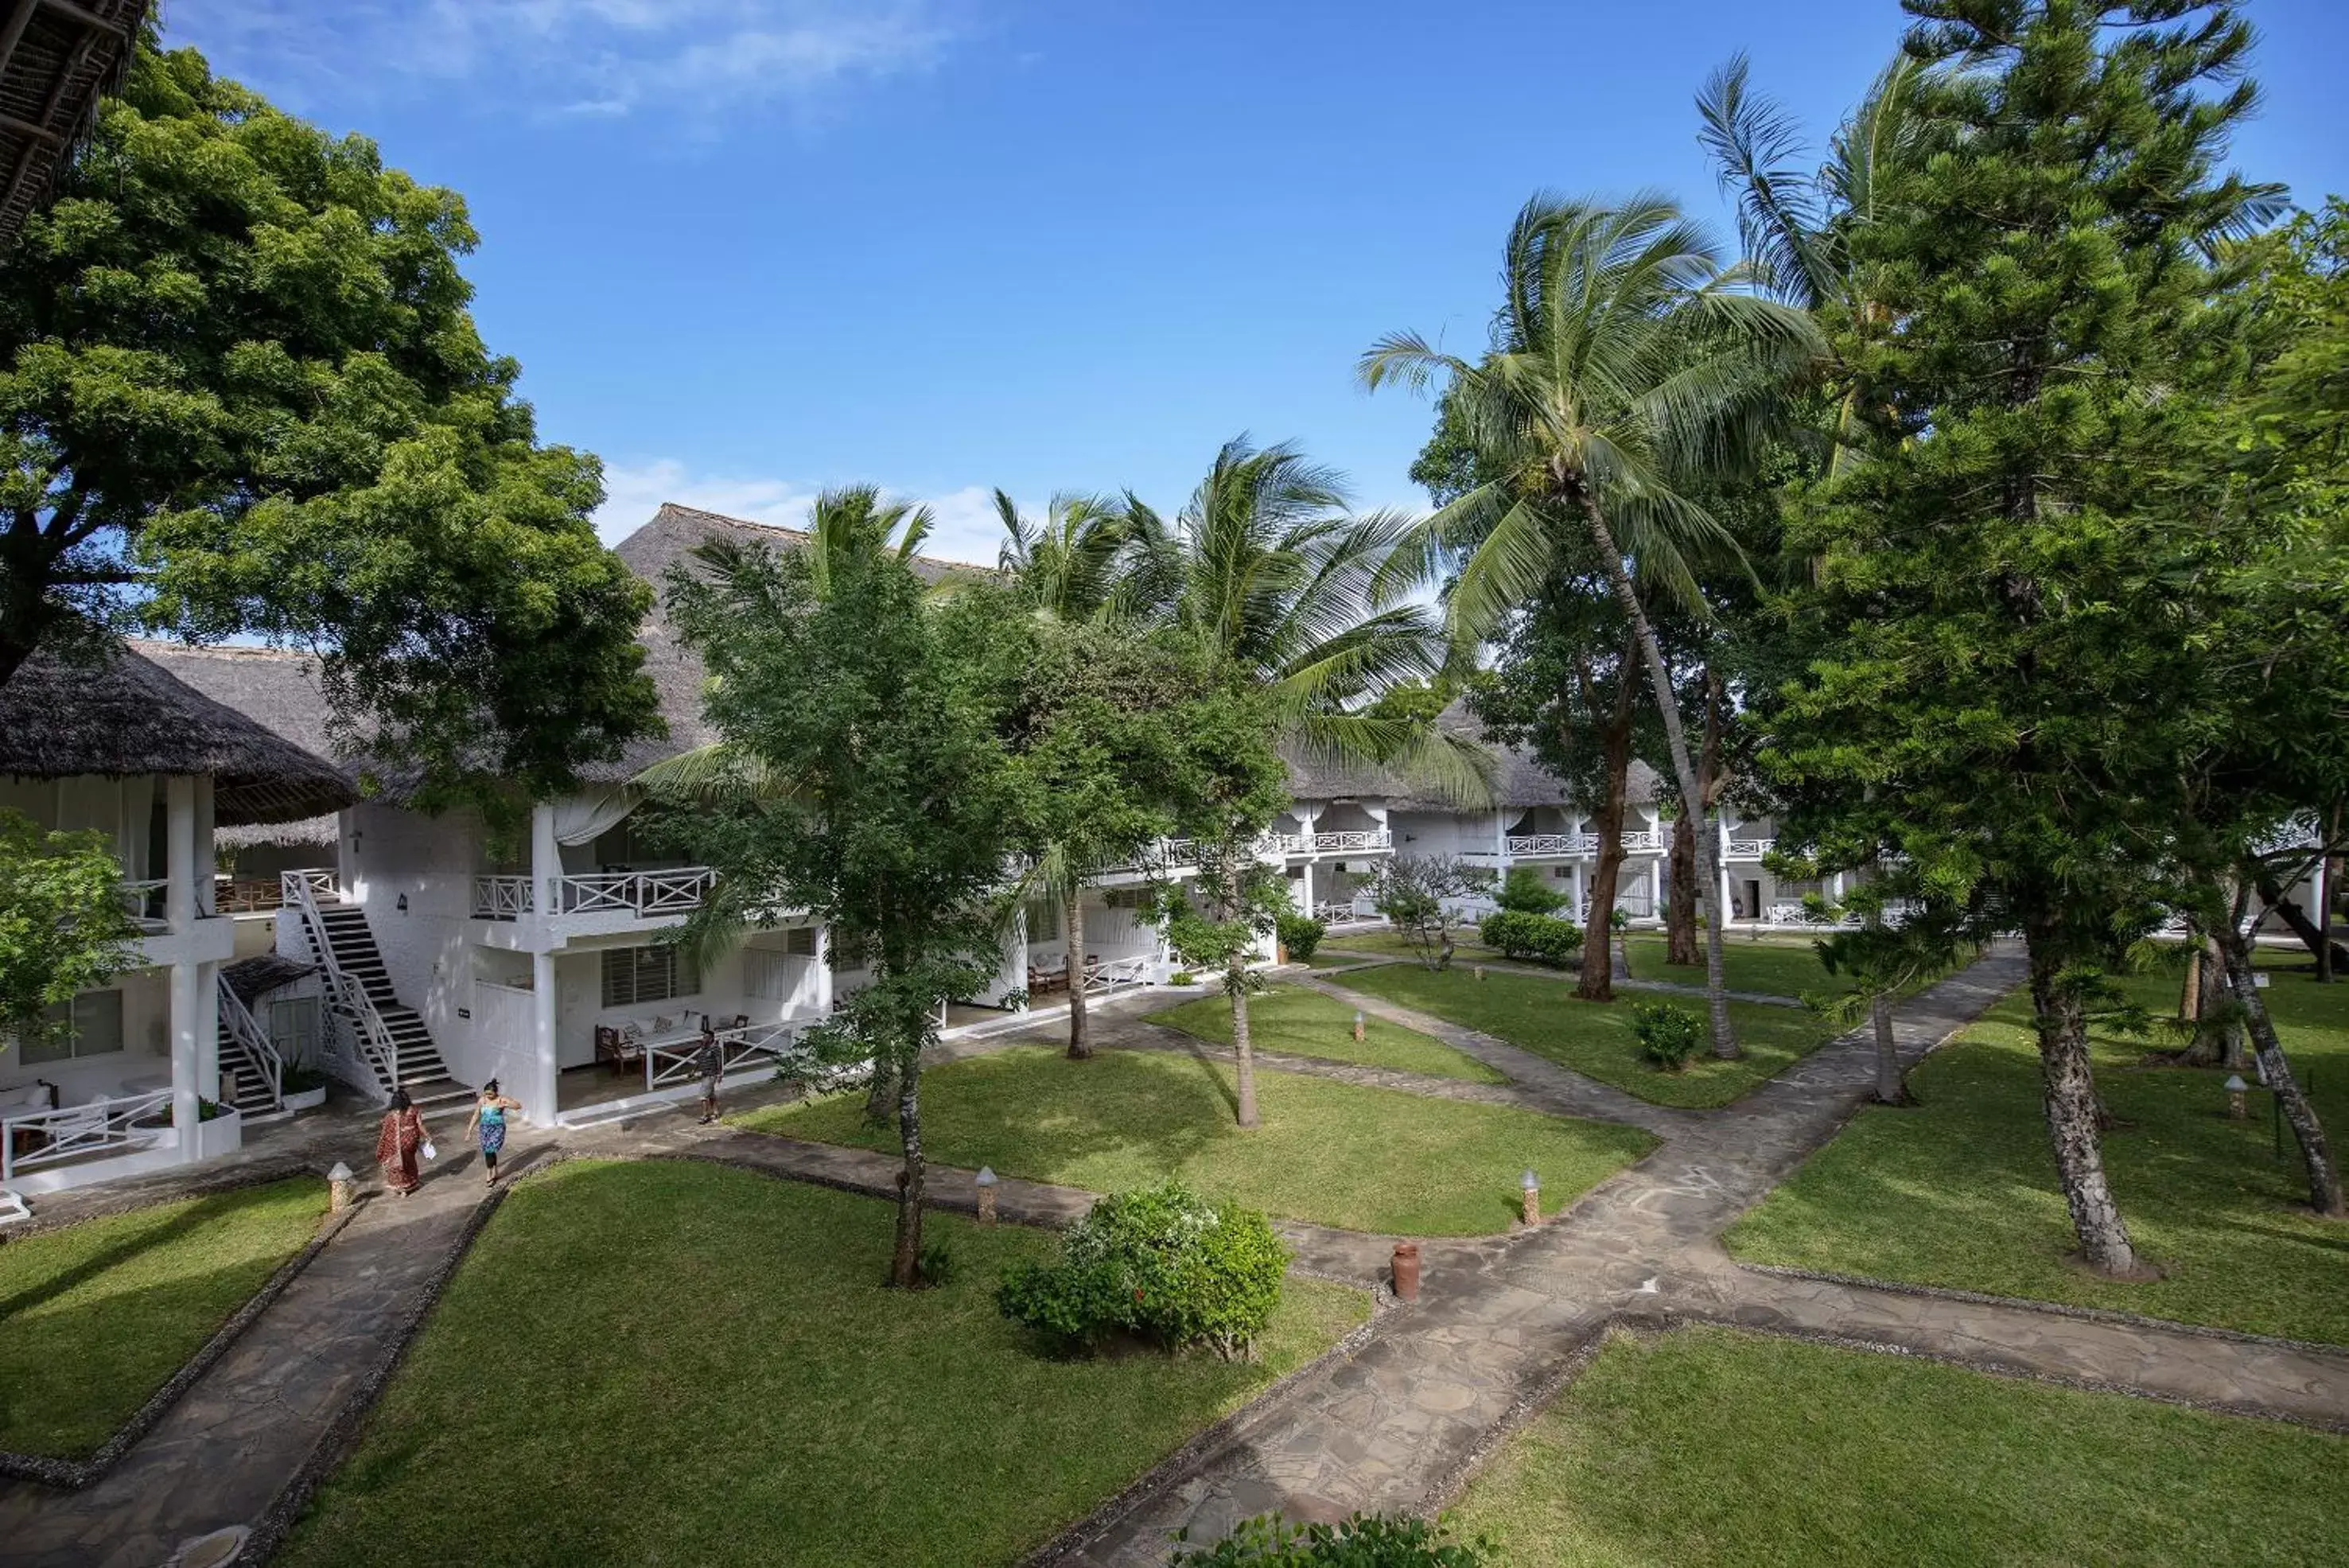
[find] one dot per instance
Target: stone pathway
(1397, 1426)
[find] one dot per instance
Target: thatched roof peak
(56, 61)
(124, 714)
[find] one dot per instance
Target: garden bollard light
(986, 1179)
(1480, 971)
(1532, 1186)
(2236, 1109)
(1358, 1026)
(1406, 1271)
(339, 1187)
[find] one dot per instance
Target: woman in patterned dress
(489, 1124)
(397, 1145)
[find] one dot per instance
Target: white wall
(388, 854)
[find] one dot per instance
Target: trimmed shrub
(1538, 939)
(1526, 891)
(1365, 1541)
(1669, 1036)
(1301, 935)
(1163, 1262)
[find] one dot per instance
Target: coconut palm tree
(1629, 364)
(1265, 570)
(1071, 564)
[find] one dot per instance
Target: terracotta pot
(1406, 1271)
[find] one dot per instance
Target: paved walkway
(1393, 1427)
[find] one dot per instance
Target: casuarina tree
(1970, 696)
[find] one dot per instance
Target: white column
(824, 964)
(1722, 908)
(1305, 886)
(180, 852)
(1501, 839)
(1017, 944)
(1655, 884)
(208, 1082)
(545, 1102)
(187, 1004)
(545, 861)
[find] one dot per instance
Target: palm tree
(1072, 565)
(1628, 365)
(1265, 570)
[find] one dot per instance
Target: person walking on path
(396, 1146)
(489, 1124)
(710, 1062)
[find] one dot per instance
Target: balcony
(1168, 855)
(626, 895)
(144, 902)
(1536, 845)
(1335, 843)
(1748, 848)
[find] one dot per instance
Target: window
(636, 975)
(93, 1027)
(800, 941)
(293, 1028)
(1043, 920)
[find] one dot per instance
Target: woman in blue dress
(489, 1124)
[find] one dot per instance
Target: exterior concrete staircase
(340, 933)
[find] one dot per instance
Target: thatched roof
(254, 977)
(673, 534)
(57, 58)
(1520, 782)
(125, 714)
(309, 832)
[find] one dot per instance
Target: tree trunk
(2323, 1177)
(1080, 1044)
(1668, 709)
(881, 1094)
(2293, 917)
(1235, 985)
(1889, 1088)
(1679, 915)
(905, 1257)
(2189, 994)
(1598, 981)
(2072, 1115)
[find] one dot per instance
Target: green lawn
(1335, 1154)
(1385, 943)
(1595, 1039)
(1960, 1190)
(94, 1318)
(680, 1363)
(1709, 1447)
(1774, 966)
(1307, 1024)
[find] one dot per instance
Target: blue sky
(745, 249)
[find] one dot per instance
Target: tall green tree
(240, 393)
(1977, 693)
(1630, 368)
(1071, 563)
(887, 720)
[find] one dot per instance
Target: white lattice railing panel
(1553, 844)
(501, 897)
(643, 894)
(38, 1139)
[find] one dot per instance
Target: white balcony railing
(501, 898)
(1330, 843)
(643, 894)
(37, 1138)
(1553, 844)
(1165, 855)
(1748, 848)
(640, 895)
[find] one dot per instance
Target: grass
(1357, 1159)
(1307, 1024)
(680, 1363)
(1960, 1190)
(1774, 966)
(1595, 1039)
(96, 1316)
(1709, 1447)
(1391, 944)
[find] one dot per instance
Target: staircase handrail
(343, 990)
(246, 1031)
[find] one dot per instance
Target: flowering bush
(1163, 1262)
(1669, 1036)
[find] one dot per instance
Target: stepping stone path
(1395, 1426)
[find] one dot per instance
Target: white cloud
(682, 58)
(966, 529)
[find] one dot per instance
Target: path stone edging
(72, 1475)
(2055, 1309)
(133, 1201)
(340, 1437)
(1074, 1539)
